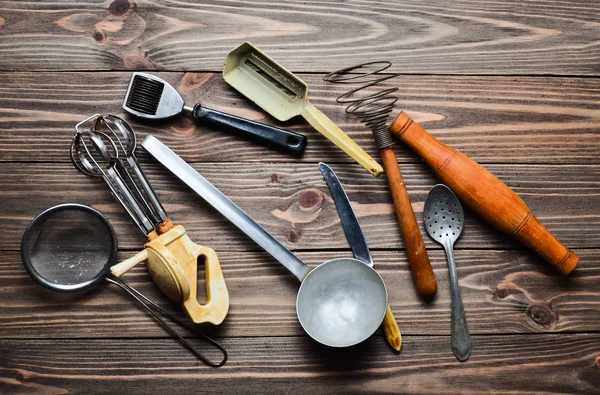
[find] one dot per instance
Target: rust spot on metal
(120, 7)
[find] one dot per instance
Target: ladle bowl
(341, 302)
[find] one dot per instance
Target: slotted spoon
(444, 220)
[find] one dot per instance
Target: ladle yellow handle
(391, 330)
(327, 128)
(120, 268)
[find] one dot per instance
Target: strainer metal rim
(25, 258)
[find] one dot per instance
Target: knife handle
(485, 194)
(420, 267)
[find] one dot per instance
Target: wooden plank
(292, 202)
(537, 364)
(504, 292)
(492, 119)
(419, 37)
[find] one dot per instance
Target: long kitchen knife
(358, 243)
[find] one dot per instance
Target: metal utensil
(126, 140)
(444, 221)
(358, 244)
(283, 95)
(340, 303)
(151, 97)
(96, 155)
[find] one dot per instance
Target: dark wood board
(504, 292)
(515, 85)
(438, 37)
(520, 364)
(292, 202)
(491, 119)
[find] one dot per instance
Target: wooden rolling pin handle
(485, 194)
(420, 267)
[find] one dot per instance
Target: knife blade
(358, 243)
(350, 224)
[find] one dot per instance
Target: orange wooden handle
(420, 267)
(485, 194)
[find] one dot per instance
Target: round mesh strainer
(69, 247)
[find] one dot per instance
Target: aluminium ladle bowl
(341, 302)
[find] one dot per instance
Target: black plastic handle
(284, 140)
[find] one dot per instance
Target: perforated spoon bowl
(444, 220)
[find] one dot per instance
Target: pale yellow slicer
(172, 260)
(283, 95)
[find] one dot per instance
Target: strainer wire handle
(147, 303)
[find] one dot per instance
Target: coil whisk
(371, 105)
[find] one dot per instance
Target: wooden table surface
(515, 85)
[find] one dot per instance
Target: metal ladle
(444, 220)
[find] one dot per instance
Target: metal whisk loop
(372, 108)
(146, 195)
(104, 165)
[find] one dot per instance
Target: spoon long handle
(461, 339)
(489, 197)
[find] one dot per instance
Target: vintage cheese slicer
(172, 258)
(283, 95)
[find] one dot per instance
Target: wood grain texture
(510, 364)
(490, 119)
(504, 292)
(292, 202)
(468, 77)
(510, 37)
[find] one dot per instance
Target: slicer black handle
(284, 140)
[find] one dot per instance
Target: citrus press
(104, 147)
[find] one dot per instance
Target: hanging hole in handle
(201, 280)
(292, 141)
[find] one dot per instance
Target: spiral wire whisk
(371, 106)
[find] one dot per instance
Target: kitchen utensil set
(342, 301)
